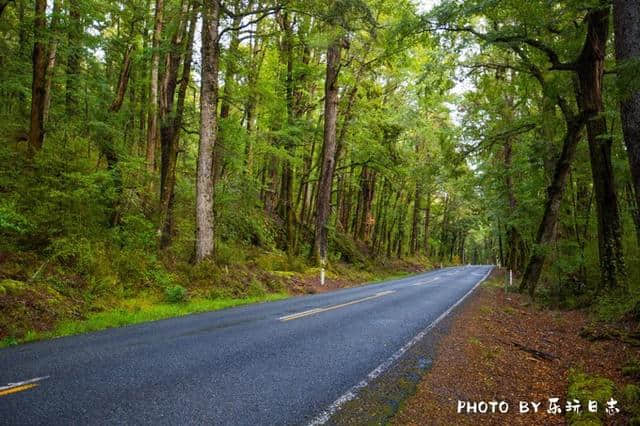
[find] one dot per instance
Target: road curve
(285, 362)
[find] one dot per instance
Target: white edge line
(25, 382)
(351, 394)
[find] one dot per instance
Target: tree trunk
(171, 119)
(152, 126)
(38, 84)
(123, 81)
(74, 46)
(286, 208)
(208, 131)
(367, 188)
(107, 146)
(225, 101)
(323, 201)
(51, 58)
(555, 192)
(427, 219)
(514, 240)
(590, 70)
(414, 220)
(257, 56)
(627, 34)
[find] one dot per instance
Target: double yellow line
(17, 389)
(20, 386)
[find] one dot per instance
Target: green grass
(137, 311)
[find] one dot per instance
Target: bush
(159, 277)
(228, 254)
(273, 261)
(255, 289)
(175, 294)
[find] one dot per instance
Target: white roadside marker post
(322, 273)
(510, 277)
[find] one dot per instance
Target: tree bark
(590, 70)
(208, 131)
(38, 83)
(323, 201)
(152, 126)
(627, 41)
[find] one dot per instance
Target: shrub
(255, 289)
(175, 294)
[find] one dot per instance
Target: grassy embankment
(47, 300)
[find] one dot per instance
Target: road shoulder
(501, 348)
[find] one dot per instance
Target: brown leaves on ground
(501, 348)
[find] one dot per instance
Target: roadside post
(322, 273)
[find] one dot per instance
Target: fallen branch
(536, 353)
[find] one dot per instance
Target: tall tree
(74, 48)
(39, 76)
(323, 200)
(627, 35)
(590, 71)
(152, 126)
(208, 131)
(172, 116)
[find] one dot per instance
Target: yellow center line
(330, 308)
(18, 389)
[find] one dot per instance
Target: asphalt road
(293, 361)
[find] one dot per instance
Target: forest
(170, 156)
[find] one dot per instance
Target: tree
(38, 85)
(627, 46)
(323, 201)
(208, 131)
(152, 126)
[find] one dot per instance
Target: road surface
(293, 361)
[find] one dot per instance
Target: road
(293, 361)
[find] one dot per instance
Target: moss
(584, 388)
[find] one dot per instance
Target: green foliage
(632, 369)
(12, 221)
(175, 294)
(630, 398)
(584, 387)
